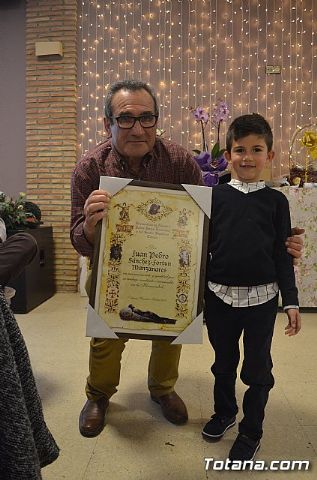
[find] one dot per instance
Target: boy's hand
(294, 322)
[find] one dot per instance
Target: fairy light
(180, 26)
(170, 65)
(290, 128)
(265, 59)
(273, 80)
(210, 69)
(231, 66)
(301, 65)
(312, 61)
(201, 34)
(215, 40)
(163, 43)
(249, 56)
(96, 74)
(241, 42)
(188, 73)
(150, 38)
(296, 64)
(257, 56)
(224, 18)
(282, 84)
(81, 81)
(196, 52)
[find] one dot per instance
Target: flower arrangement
(212, 163)
(18, 214)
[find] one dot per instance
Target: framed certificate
(149, 266)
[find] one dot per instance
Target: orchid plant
(212, 163)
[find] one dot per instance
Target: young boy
(248, 266)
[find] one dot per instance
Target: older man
(133, 151)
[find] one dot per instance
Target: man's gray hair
(131, 85)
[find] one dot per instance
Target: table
(36, 283)
(303, 207)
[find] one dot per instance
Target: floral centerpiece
(211, 163)
(19, 214)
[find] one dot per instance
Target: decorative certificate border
(149, 266)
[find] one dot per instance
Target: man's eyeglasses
(127, 121)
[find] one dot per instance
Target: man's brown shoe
(92, 417)
(173, 408)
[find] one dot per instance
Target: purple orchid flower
(211, 164)
(201, 115)
(220, 113)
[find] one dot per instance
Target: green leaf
(196, 151)
(221, 152)
(215, 151)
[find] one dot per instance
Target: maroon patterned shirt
(167, 163)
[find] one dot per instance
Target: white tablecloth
(303, 207)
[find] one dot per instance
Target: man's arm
(295, 244)
(85, 181)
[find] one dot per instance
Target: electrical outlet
(272, 69)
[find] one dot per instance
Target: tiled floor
(137, 442)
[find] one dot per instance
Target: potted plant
(213, 164)
(19, 214)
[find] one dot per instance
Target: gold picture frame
(148, 273)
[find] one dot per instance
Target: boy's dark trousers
(225, 325)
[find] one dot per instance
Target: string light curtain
(196, 52)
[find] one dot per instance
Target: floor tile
(137, 442)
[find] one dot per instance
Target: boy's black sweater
(247, 240)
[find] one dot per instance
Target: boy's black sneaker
(217, 426)
(244, 448)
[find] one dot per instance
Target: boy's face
(248, 158)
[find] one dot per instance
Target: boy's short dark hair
(132, 86)
(248, 125)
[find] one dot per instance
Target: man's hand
(295, 244)
(95, 208)
(294, 322)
